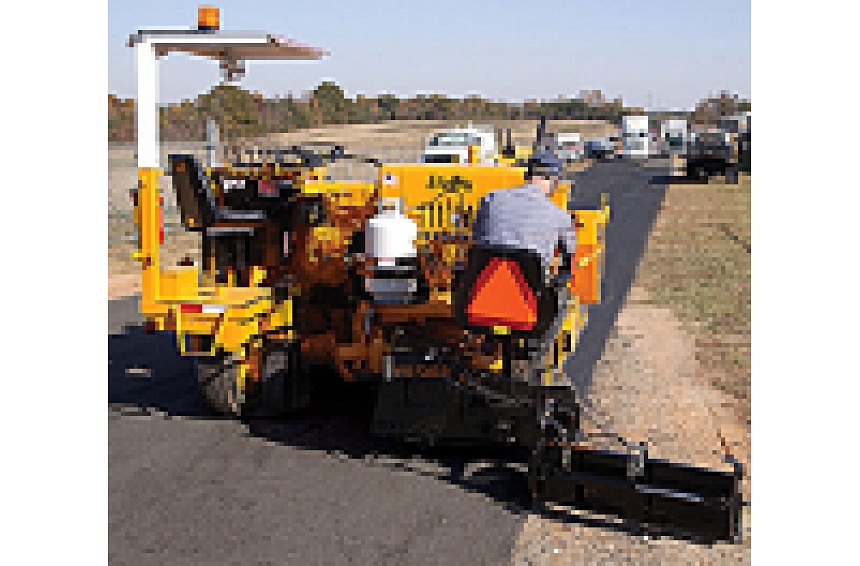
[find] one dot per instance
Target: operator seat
(503, 293)
(197, 205)
(230, 244)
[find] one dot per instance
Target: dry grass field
(412, 134)
(698, 262)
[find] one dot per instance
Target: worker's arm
(567, 236)
(566, 245)
(479, 221)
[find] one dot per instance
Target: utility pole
(213, 142)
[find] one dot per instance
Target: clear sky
(666, 53)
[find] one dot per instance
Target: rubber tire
(732, 175)
(284, 387)
(216, 377)
(693, 172)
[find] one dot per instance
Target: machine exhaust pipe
(213, 143)
(508, 150)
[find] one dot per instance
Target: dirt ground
(123, 285)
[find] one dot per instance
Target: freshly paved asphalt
(635, 194)
(186, 488)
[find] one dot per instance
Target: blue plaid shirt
(524, 217)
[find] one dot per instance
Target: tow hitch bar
(650, 494)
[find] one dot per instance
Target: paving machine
(463, 342)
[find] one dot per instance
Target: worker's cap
(544, 163)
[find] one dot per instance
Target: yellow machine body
(209, 317)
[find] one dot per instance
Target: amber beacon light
(208, 18)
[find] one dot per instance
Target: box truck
(673, 137)
(636, 137)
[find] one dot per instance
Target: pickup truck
(452, 146)
(570, 147)
(713, 152)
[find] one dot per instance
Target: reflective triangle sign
(501, 297)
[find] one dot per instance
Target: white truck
(570, 147)
(452, 146)
(636, 137)
(673, 137)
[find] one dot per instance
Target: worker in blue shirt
(525, 217)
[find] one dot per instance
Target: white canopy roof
(226, 45)
(230, 48)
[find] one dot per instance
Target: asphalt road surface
(186, 488)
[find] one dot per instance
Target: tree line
(242, 113)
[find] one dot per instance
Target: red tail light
(267, 188)
(191, 309)
(161, 220)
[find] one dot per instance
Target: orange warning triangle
(501, 297)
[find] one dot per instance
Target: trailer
(380, 280)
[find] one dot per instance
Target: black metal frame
(654, 495)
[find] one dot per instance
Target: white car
(573, 151)
(570, 147)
